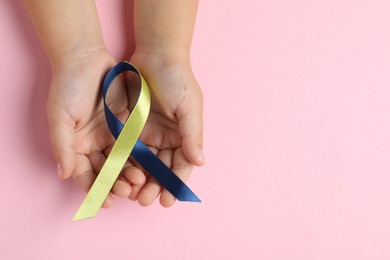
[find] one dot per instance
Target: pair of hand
(81, 140)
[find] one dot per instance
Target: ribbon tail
(83, 214)
(167, 178)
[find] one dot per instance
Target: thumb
(191, 130)
(62, 135)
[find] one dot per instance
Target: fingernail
(201, 156)
(60, 171)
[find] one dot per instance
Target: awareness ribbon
(127, 143)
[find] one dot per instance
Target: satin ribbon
(127, 143)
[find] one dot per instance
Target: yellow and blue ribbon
(127, 143)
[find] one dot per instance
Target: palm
(162, 131)
(92, 145)
(75, 105)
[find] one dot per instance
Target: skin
(70, 33)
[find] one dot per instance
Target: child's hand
(174, 128)
(79, 135)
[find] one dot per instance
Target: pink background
(297, 128)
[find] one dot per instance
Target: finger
(182, 168)
(137, 169)
(84, 175)
(137, 177)
(135, 190)
(120, 188)
(190, 118)
(133, 174)
(131, 171)
(152, 188)
(97, 160)
(62, 135)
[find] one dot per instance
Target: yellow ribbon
(118, 156)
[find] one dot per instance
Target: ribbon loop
(127, 143)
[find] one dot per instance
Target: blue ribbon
(141, 153)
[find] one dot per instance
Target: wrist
(61, 57)
(173, 54)
(147, 60)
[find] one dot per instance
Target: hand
(80, 138)
(174, 129)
